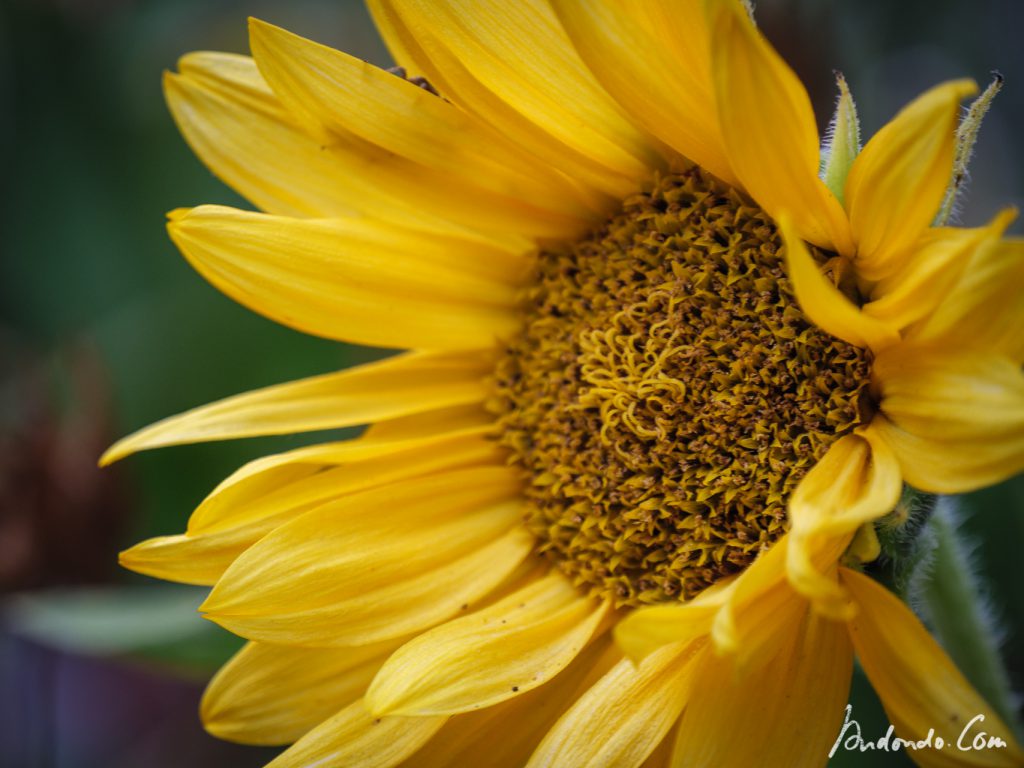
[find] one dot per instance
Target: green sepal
(842, 142)
(966, 137)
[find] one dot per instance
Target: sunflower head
(667, 393)
(667, 373)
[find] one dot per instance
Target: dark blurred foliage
(104, 328)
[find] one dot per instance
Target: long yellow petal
(984, 311)
(519, 723)
(769, 129)
(790, 708)
(668, 88)
(232, 520)
(274, 694)
(353, 738)
(825, 304)
(401, 385)
(354, 280)
(492, 655)
(378, 564)
(514, 67)
(857, 481)
(337, 96)
(897, 182)
(920, 687)
(954, 419)
(622, 718)
(929, 271)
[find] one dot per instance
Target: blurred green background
(104, 328)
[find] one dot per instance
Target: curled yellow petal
(856, 482)
(898, 180)
(825, 304)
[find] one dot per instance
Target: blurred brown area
(60, 520)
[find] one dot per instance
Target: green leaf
(158, 623)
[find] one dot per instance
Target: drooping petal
(926, 275)
(492, 655)
(667, 89)
(825, 304)
(401, 385)
(353, 279)
(897, 182)
(378, 564)
(623, 717)
(858, 480)
(274, 694)
(769, 129)
(469, 739)
(356, 739)
(336, 96)
(983, 312)
(920, 687)
(802, 691)
(513, 66)
(954, 419)
(233, 520)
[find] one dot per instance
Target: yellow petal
(928, 272)
(492, 655)
(336, 96)
(271, 694)
(354, 280)
(825, 304)
(516, 725)
(769, 129)
(790, 709)
(648, 628)
(761, 604)
(378, 564)
(513, 66)
(954, 419)
(401, 385)
(920, 687)
(623, 717)
(857, 481)
(983, 311)
(355, 739)
(235, 518)
(898, 180)
(667, 88)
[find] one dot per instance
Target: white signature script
(972, 738)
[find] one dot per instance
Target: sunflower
(664, 378)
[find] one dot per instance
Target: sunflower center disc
(667, 394)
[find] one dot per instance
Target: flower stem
(952, 599)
